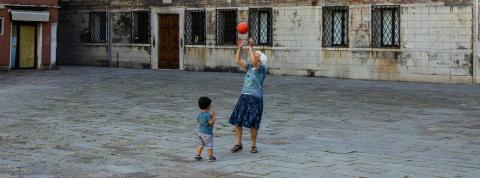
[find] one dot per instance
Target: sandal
(237, 148)
(212, 158)
(254, 149)
(198, 158)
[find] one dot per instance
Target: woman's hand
(240, 42)
(213, 114)
(250, 42)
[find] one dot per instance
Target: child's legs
(200, 145)
(238, 135)
(209, 144)
(198, 150)
(210, 152)
(253, 136)
(207, 141)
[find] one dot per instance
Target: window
(121, 27)
(335, 27)
(140, 27)
(386, 26)
(97, 27)
(260, 22)
(1, 25)
(195, 27)
(131, 27)
(226, 26)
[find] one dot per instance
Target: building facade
(399, 40)
(28, 31)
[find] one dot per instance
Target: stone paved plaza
(107, 122)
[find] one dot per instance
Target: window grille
(386, 26)
(121, 27)
(335, 26)
(195, 32)
(140, 27)
(226, 26)
(97, 27)
(260, 22)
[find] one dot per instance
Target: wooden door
(26, 49)
(168, 45)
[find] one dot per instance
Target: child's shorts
(205, 140)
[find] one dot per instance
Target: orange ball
(242, 28)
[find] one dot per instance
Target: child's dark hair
(204, 102)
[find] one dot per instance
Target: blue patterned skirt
(247, 112)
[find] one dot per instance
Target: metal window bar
(140, 27)
(335, 26)
(386, 26)
(97, 27)
(327, 28)
(195, 33)
(260, 22)
(226, 26)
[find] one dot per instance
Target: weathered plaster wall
(216, 3)
(436, 46)
(476, 61)
(213, 57)
(436, 40)
(75, 48)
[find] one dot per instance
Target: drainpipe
(476, 69)
(109, 33)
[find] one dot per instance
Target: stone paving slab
(108, 122)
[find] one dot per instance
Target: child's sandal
(254, 149)
(212, 158)
(237, 148)
(198, 158)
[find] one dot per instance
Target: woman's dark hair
(204, 102)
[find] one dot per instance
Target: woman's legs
(238, 136)
(253, 135)
(238, 139)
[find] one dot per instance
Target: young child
(206, 121)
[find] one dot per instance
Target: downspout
(475, 66)
(109, 33)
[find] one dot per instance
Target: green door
(26, 44)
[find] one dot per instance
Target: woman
(249, 108)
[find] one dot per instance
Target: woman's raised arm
(238, 57)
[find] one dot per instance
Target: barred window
(140, 27)
(131, 27)
(386, 26)
(260, 22)
(226, 26)
(98, 27)
(335, 26)
(195, 27)
(121, 27)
